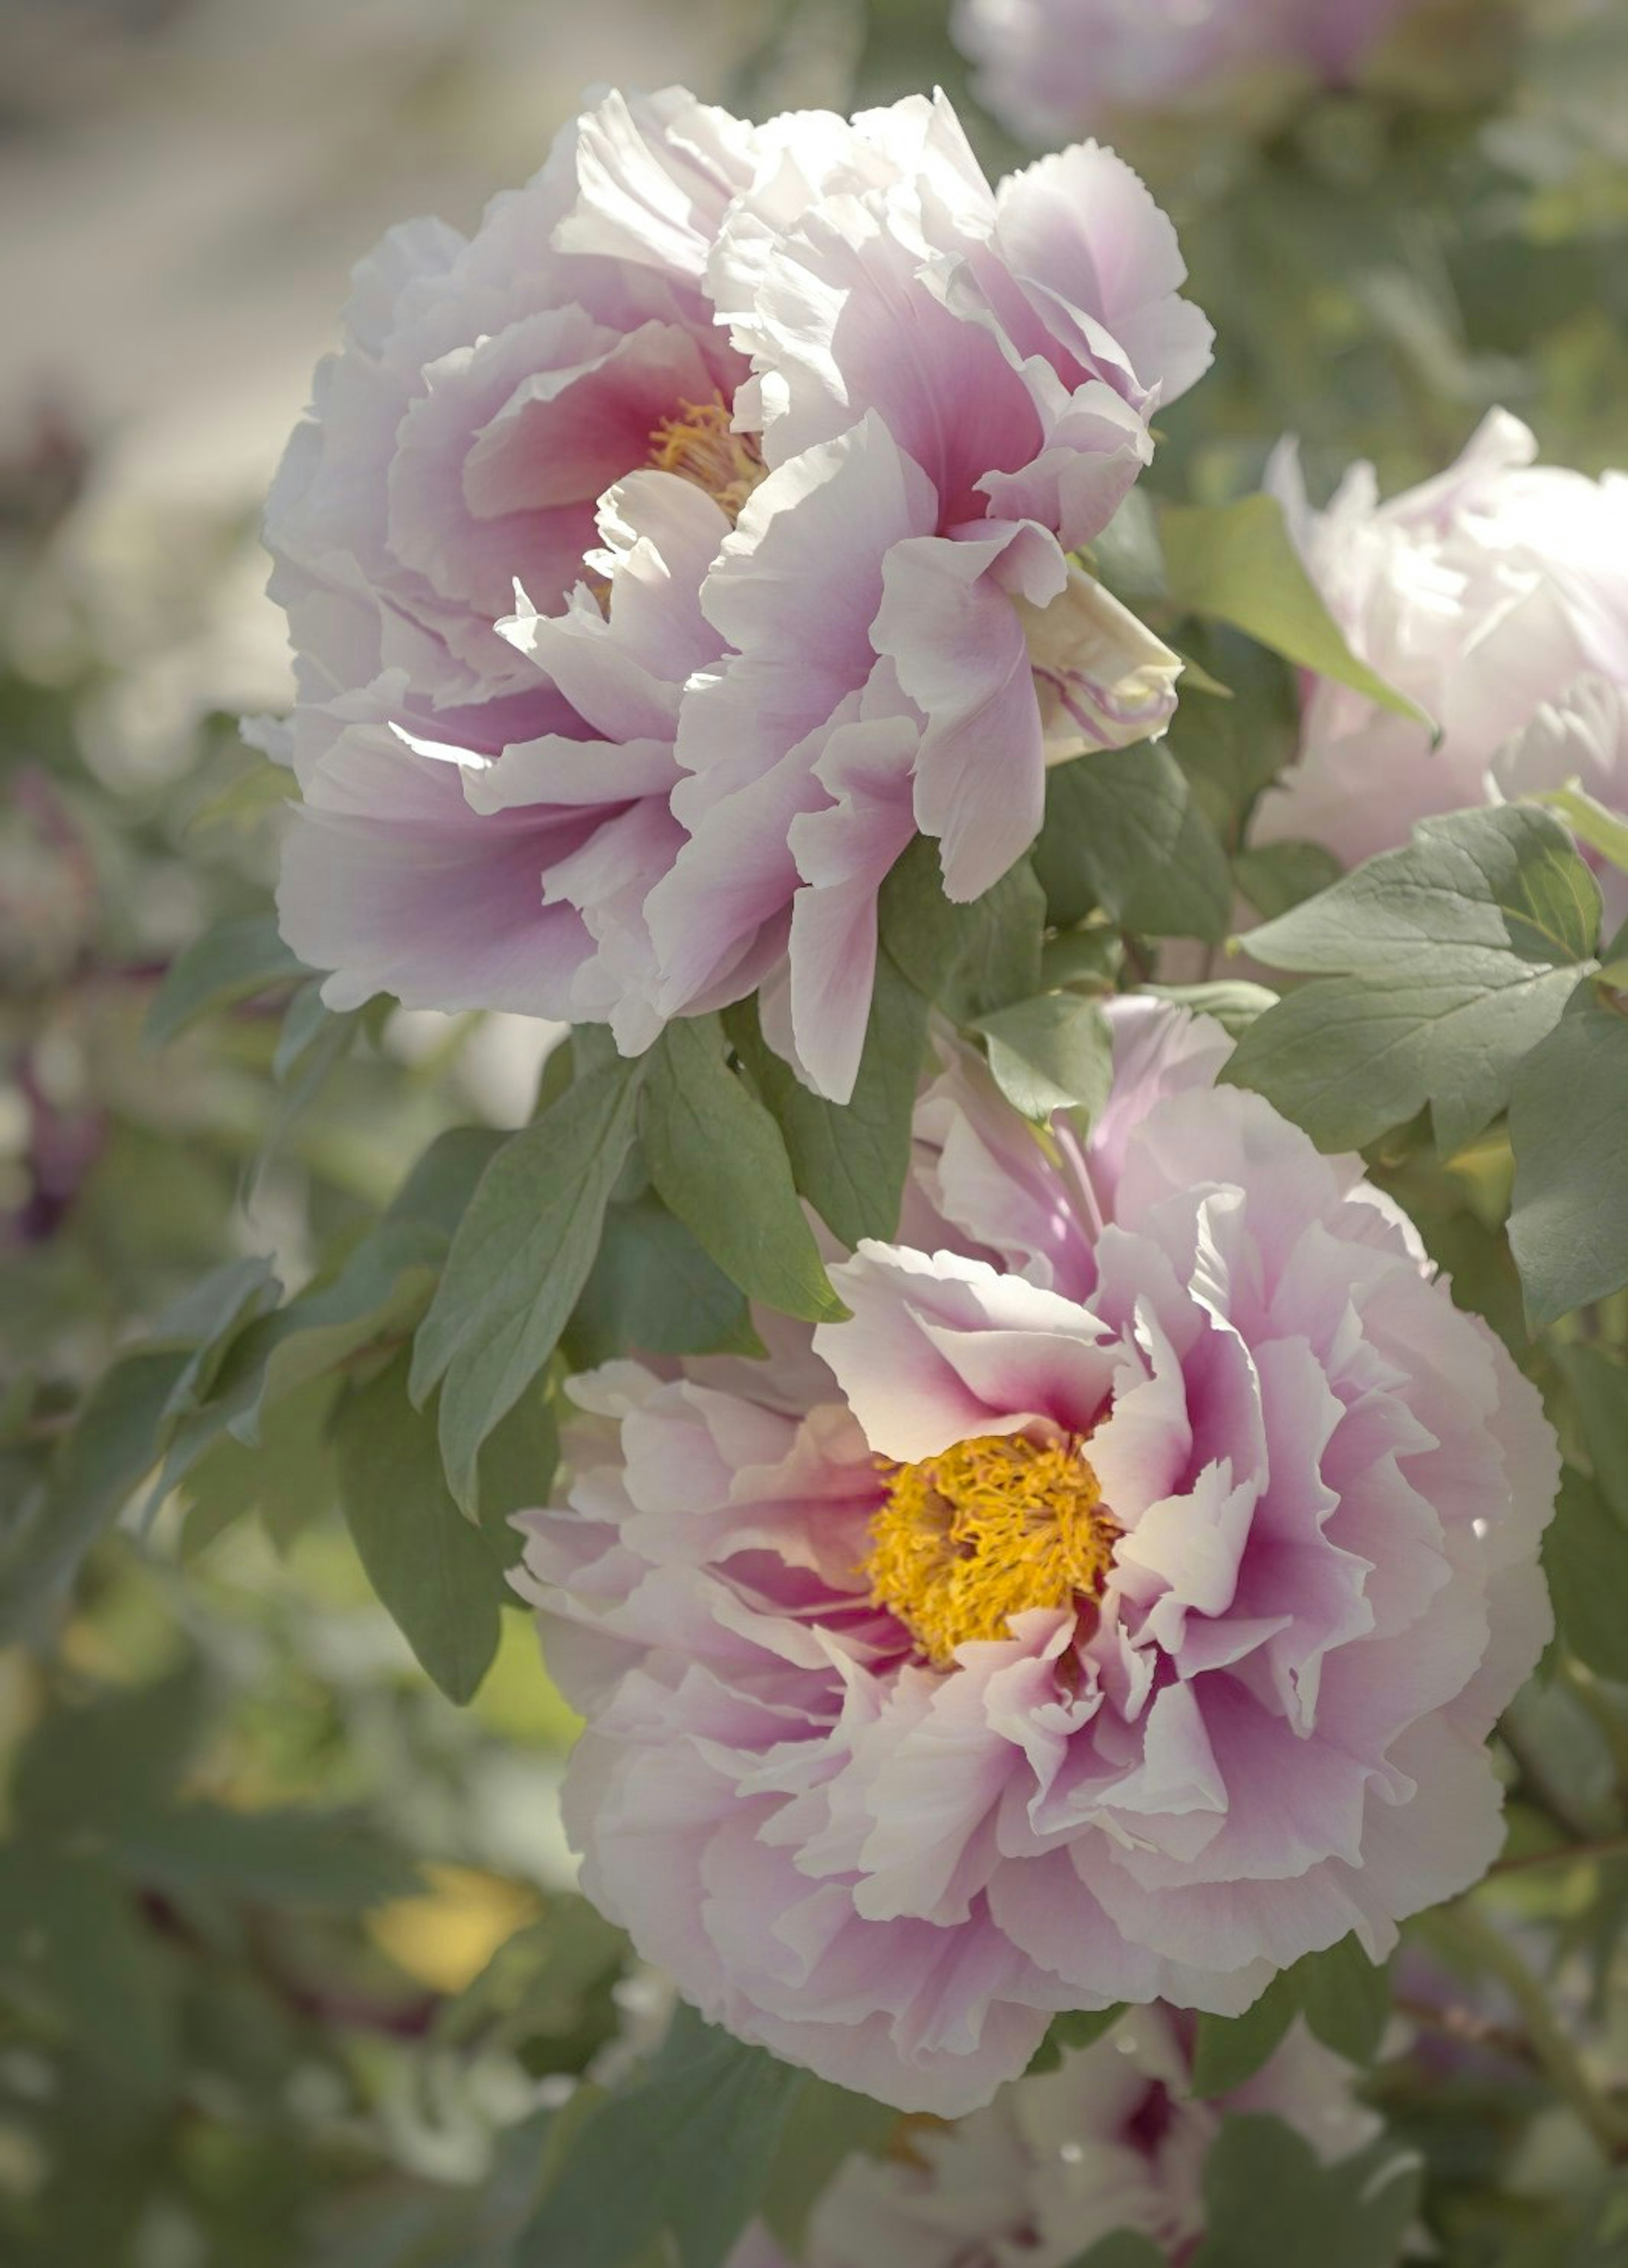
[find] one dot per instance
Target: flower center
(699, 445)
(992, 1526)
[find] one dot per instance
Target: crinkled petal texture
(661, 558)
(1113, 2138)
(1051, 68)
(1497, 594)
(1252, 1723)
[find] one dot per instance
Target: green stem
(1561, 1854)
(1492, 1951)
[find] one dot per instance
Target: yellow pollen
(991, 1527)
(699, 445)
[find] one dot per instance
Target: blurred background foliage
(290, 1967)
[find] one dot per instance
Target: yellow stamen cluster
(993, 1525)
(699, 445)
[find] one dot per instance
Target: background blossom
(1497, 595)
(1113, 2140)
(1256, 1507)
(1055, 67)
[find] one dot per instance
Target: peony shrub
(1068, 1506)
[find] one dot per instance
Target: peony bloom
(1498, 596)
(658, 560)
(1115, 2138)
(1114, 1608)
(1055, 67)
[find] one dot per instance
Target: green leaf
(70, 1937)
(519, 1260)
(235, 961)
(433, 1571)
(550, 1981)
(652, 1288)
(1127, 553)
(849, 1159)
(519, 1459)
(969, 959)
(1601, 829)
(1268, 2199)
(1076, 2028)
(1346, 1999)
(1277, 877)
(1586, 1560)
(283, 1857)
(94, 1764)
(1090, 959)
(1342, 1996)
(827, 2127)
(1459, 952)
(1238, 564)
(438, 1190)
(1599, 1383)
(287, 1478)
(1124, 831)
(1568, 1221)
(378, 1295)
(113, 1446)
(246, 802)
(1051, 1053)
(717, 1160)
(304, 1022)
(1228, 2049)
(208, 1318)
(1232, 750)
(1234, 1002)
(688, 2150)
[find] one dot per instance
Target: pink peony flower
(1113, 2139)
(1114, 1608)
(1056, 67)
(1497, 594)
(659, 560)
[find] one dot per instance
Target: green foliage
(286, 1951)
(1598, 1381)
(546, 1996)
(1588, 819)
(1277, 877)
(825, 2127)
(1079, 2027)
(1051, 1053)
(520, 1257)
(1568, 1224)
(652, 1288)
(849, 1159)
(969, 960)
(1237, 562)
(706, 2102)
(1586, 1562)
(1268, 2197)
(717, 1159)
(432, 1567)
(1125, 830)
(234, 961)
(1342, 1996)
(1441, 968)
